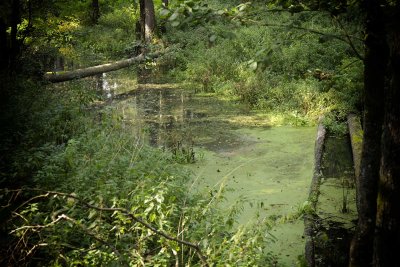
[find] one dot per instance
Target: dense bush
(282, 69)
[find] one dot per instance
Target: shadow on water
(338, 161)
(333, 244)
(335, 223)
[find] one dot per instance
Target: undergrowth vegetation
(278, 68)
(98, 196)
(82, 189)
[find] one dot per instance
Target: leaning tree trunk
(375, 63)
(387, 235)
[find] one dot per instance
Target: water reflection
(166, 116)
(104, 89)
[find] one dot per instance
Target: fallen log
(310, 217)
(356, 137)
(62, 76)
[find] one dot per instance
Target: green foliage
(94, 163)
(54, 139)
(288, 70)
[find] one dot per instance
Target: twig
(123, 211)
(87, 231)
(338, 37)
(37, 227)
(350, 42)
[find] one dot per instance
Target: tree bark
(147, 20)
(387, 235)
(375, 63)
(356, 133)
(63, 76)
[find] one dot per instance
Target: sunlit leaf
(92, 213)
(213, 38)
(175, 23)
(164, 12)
(253, 66)
(173, 16)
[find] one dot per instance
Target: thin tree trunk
(95, 11)
(387, 235)
(147, 20)
(375, 63)
(3, 45)
(14, 45)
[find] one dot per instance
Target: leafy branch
(82, 202)
(348, 37)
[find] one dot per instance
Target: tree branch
(334, 36)
(124, 211)
(350, 42)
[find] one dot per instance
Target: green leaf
(260, 52)
(213, 38)
(164, 12)
(92, 225)
(152, 217)
(253, 66)
(175, 23)
(174, 16)
(92, 213)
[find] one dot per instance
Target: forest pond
(266, 170)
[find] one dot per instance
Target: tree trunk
(387, 235)
(95, 11)
(14, 44)
(3, 45)
(63, 76)
(147, 20)
(375, 64)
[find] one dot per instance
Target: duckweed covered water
(267, 169)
